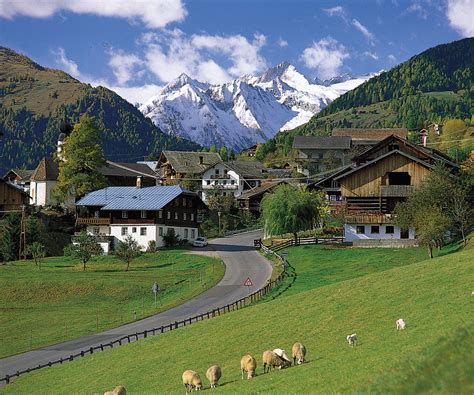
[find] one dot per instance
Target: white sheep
(401, 324)
(352, 339)
(191, 380)
(299, 353)
(272, 361)
(248, 364)
(213, 374)
(282, 354)
(119, 390)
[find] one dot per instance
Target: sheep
(213, 374)
(352, 339)
(248, 364)
(282, 354)
(400, 324)
(299, 352)
(191, 380)
(273, 360)
(119, 390)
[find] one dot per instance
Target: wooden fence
(306, 241)
(243, 302)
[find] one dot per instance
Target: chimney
(201, 160)
(139, 181)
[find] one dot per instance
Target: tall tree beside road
(79, 159)
(291, 209)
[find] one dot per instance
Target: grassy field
(434, 354)
(60, 301)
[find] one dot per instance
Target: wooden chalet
(250, 200)
(12, 197)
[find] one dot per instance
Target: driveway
(241, 261)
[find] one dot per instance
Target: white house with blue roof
(147, 214)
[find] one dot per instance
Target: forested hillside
(34, 101)
(433, 86)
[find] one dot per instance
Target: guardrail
(239, 304)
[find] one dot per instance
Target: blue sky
(136, 46)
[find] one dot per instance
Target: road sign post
(248, 283)
(155, 289)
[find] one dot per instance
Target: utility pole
(22, 252)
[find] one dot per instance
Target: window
(190, 202)
(184, 202)
(360, 229)
(124, 214)
(390, 229)
(208, 182)
(374, 229)
(184, 216)
(186, 233)
(124, 231)
(399, 178)
(160, 231)
(332, 198)
(176, 202)
(96, 214)
(224, 182)
(192, 216)
(175, 215)
(134, 230)
(169, 214)
(160, 214)
(142, 231)
(232, 182)
(193, 234)
(143, 214)
(96, 230)
(217, 172)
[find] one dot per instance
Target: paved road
(241, 260)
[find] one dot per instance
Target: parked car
(200, 242)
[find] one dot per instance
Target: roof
(356, 169)
(132, 198)
(122, 169)
(247, 169)
(47, 170)
(23, 175)
(266, 186)
(189, 162)
(322, 142)
(370, 134)
(15, 187)
(330, 174)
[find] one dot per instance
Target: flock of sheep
(271, 359)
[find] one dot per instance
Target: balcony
(133, 221)
(395, 190)
(220, 176)
(93, 221)
(220, 186)
(368, 218)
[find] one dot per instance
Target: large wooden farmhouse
(380, 178)
(147, 214)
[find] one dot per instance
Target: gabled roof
(47, 170)
(370, 134)
(23, 175)
(356, 169)
(261, 189)
(122, 169)
(331, 174)
(322, 142)
(132, 198)
(247, 169)
(189, 162)
(15, 187)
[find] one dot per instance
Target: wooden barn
(12, 197)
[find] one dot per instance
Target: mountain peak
(278, 71)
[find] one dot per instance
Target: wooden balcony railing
(396, 190)
(133, 221)
(368, 218)
(93, 221)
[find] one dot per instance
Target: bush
(171, 239)
(151, 246)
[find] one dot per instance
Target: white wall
(350, 233)
(43, 194)
(235, 189)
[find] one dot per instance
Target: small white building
(147, 214)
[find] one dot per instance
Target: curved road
(241, 261)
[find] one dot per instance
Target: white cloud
(68, 65)
(172, 53)
(335, 11)
(152, 13)
(124, 66)
(372, 55)
(392, 59)
(417, 8)
(325, 57)
(282, 43)
(136, 94)
(461, 16)
(359, 26)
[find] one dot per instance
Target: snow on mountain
(245, 111)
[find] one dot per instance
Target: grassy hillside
(35, 100)
(60, 301)
(434, 297)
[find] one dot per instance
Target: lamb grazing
(119, 390)
(352, 339)
(248, 364)
(299, 352)
(191, 380)
(401, 324)
(213, 374)
(272, 360)
(282, 354)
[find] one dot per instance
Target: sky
(135, 47)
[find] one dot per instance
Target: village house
(147, 214)
(20, 178)
(250, 200)
(380, 178)
(12, 197)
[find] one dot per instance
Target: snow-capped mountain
(245, 111)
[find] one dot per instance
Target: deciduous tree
(84, 248)
(128, 250)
